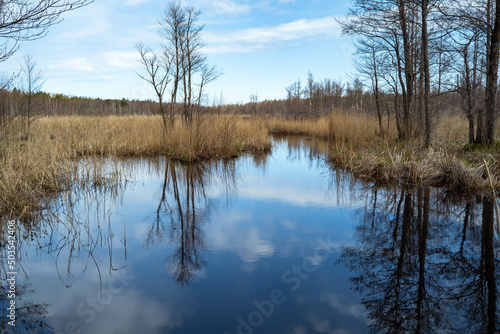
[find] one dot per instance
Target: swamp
(278, 242)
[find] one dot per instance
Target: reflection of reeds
(35, 169)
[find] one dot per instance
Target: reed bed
(35, 168)
(414, 167)
(213, 136)
(340, 127)
(31, 174)
(356, 145)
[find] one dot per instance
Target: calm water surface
(272, 244)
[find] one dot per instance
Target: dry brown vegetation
(214, 136)
(35, 169)
(355, 145)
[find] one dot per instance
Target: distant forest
(303, 99)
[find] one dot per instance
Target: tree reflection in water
(185, 205)
(64, 231)
(421, 271)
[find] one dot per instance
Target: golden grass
(356, 145)
(340, 127)
(214, 136)
(35, 170)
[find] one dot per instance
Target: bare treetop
(24, 20)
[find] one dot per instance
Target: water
(282, 243)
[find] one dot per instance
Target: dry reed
(207, 136)
(35, 169)
(356, 145)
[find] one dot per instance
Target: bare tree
(157, 67)
(208, 74)
(193, 58)
(367, 64)
(492, 76)
(426, 70)
(391, 23)
(24, 20)
(294, 95)
(181, 66)
(32, 82)
(254, 100)
(172, 25)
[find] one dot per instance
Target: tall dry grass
(208, 136)
(362, 130)
(34, 169)
(339, 127)
(356, 145)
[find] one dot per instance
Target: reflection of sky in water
(249, 235)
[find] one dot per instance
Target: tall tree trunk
(408, 68)
(402, 128)
(425, 63)
(376, 93)
(469, 94)
(492, 78)
(480, 137)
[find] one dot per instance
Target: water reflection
(300, 148)
(424, 263)
(66, 231)
(183, 210)
(193, 248)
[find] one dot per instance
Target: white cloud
(319, 325)
(229, 7)
(250, 245)
(80, 64)
(344, 307)
(121, 59)
(101, 64)
(257, 39)
(299, 330)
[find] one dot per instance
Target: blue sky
(262, 46)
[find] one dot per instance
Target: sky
(261, 46)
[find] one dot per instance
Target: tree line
(22, 108)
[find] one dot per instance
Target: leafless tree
(181, 66)
(426, 70)
(193, 59)
(32, 82)
(172, 26)
(294, 95)
(254, 100)
(208, 74)
(367, 64)
(157, 67)
(391, 23)
(24, 20)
